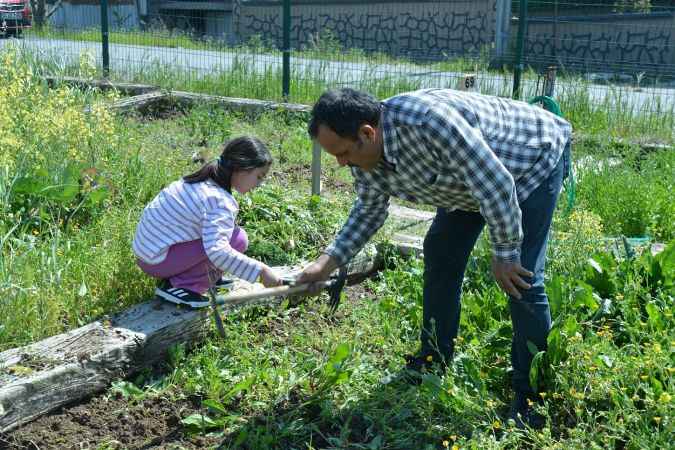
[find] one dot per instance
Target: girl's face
(246, 180)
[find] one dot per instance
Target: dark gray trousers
(447, 247)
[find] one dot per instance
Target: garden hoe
(333, 286)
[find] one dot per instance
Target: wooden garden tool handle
(279, 291)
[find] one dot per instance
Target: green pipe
(570, 185)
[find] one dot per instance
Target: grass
(294, 377)
(255, 72)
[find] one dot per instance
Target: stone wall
(86, 14)
(423, 29)
(628, 43)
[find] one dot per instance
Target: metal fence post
(316, 168)
(518, 69)
(549, 81)
(105, 51)
(502, 26)
(286, 82)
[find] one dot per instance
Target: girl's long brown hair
(242, 153)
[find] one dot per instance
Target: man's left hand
(508, 276)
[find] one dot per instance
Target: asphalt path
(127, 60)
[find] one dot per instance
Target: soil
(112, 422)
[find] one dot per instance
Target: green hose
(570, 185)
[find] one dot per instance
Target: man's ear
(368, 132)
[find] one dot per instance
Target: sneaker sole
(166, 296)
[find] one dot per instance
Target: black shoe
(180, 296)
(421, 364)
(523, 414)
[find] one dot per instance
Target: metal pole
(549, 81)
(502, 22)
(316, 168)
(518, 69)
(104, 38)
(286, 81)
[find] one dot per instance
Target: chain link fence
(614, 55)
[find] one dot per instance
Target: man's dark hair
(344, 111)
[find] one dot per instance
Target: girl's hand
(269, 278)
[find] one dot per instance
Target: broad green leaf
(537, 363)
(200, 421)
(97, 195)
(654, 315)
(214, 405)
(555, 345)
(532, 347)
(555, 295)
(243, 385)
(570, 326)
(127, 389)
(28, 185)
(583, 296)
(599, 274)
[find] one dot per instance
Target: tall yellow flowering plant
(50, 141)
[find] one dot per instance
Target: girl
(187, 236)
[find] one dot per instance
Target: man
(478, 159)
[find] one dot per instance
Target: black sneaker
(180, 296)
(523, 414)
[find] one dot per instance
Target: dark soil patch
(153, 423)
(297, 173)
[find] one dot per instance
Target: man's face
(365, 152)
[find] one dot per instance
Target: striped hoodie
(184, 212)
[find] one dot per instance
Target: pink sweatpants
(187, 266)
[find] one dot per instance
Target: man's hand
(319, 270)
(508, 276)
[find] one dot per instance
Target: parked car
(15, 16)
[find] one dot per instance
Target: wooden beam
(40, 377)
(81, 83)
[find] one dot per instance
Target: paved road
(130, 59)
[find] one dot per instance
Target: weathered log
(160, 100)
(82, 83)
(40, 377)
(139, 102)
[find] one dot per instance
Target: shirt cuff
(507, 252)
(339, 256)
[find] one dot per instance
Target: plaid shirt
(456, 150)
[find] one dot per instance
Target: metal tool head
(335, 289)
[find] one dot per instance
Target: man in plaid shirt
(480, 160)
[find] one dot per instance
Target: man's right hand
(319, 270)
